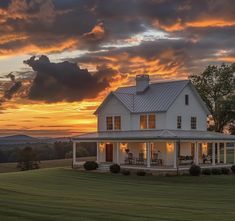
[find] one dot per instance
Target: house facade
(156, 125)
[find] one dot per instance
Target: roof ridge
(153, 83)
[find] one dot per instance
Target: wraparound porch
(162, 154)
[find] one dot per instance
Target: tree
(28, 159)
(216, 85)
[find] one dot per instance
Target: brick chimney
(142, 83)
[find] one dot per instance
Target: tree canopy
(216, 85)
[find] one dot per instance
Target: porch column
(213, 153)
(234, 153)
(196, 148)
(97, 152)
(218, 152)
(175, 155)
(74, 153)
(225, 153)
(148, 154)
(118, 153)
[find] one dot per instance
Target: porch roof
(155, 135)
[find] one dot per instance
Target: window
(117, 123)
(193, 122)
(109, 123)
(151, 121)
(147, 121)
(186, 99)
(143, 121)
(179, 122)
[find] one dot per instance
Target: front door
(109, 152)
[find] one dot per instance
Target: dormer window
(186, 99)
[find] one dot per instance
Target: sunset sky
(59, 59)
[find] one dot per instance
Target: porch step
(104, 166)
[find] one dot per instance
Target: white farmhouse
(156, 126)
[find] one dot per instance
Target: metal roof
(157, 98)
(156, 135)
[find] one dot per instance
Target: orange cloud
(179, 25)
(68, 44)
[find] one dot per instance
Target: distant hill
(24, 139)
(19, 137)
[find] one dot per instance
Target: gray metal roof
(157, 98)
(156, 135)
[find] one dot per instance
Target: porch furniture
(140, 160)
(156, 161)
(129, 159)
(206, 159)
(185, 160)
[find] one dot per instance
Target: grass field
(66, 194)
(12, 167)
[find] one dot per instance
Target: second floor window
(151, 121)
(143, 121)
(147, 121)
(117, 123)
(193, 123)
(179, 122)
(109, 123)
(113, 123)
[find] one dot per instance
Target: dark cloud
(10, 90)
(65, 81)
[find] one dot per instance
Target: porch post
(74, 153)
(148, 154)
(225, 153)
(97, 152)
(118, 148)
(175, 155)
(218, 152)
(196, 154)
(213, 153)
(234, 153)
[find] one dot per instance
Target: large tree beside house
(216, 85)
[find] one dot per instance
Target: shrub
(90, 165)
(233, 168)
(114, 168)
(225, 170)
(216, 171)
(195, 170)
(206, 171)
(126, 172)
(140, 173)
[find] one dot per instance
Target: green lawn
(65, 194)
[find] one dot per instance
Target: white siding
(194, 109)
(113, 107)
